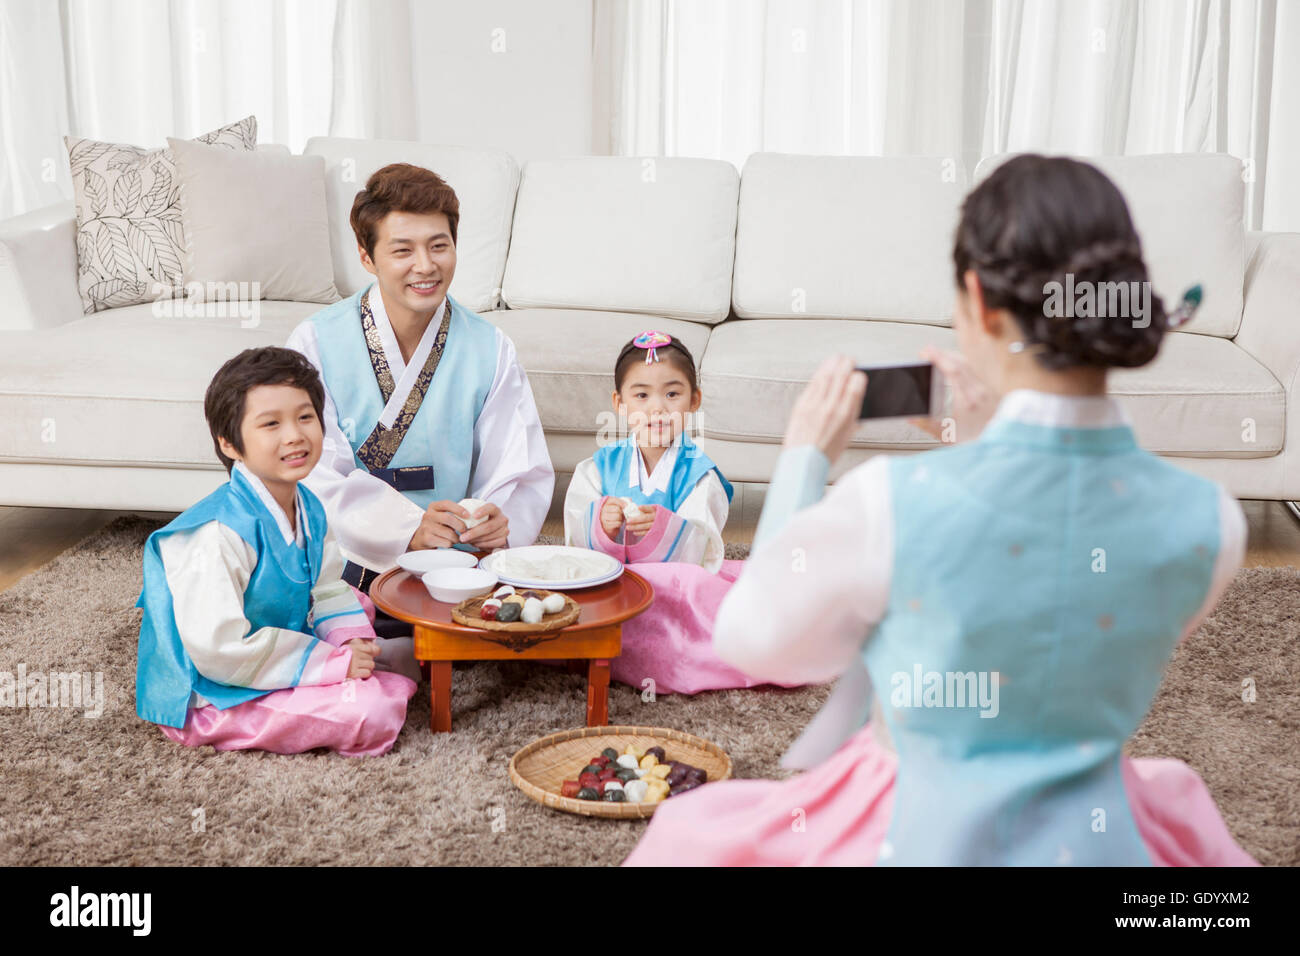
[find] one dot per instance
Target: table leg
(598, 693)
(440, 696)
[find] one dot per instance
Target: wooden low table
(596, 637)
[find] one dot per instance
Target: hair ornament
(650, 341)
(1187, 308)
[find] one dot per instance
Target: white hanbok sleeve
(813, 590)
(582, 504)
(693, 533)
(337, 613)
(512, 466)
(208, 570)
(374, 521)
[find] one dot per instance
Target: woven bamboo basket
(540, 767)
(466, 614)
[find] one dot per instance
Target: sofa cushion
(1188, 210)
(255, 219)
(1204, 396)
(835, 237)
(754, 370)
(1201, 396)
(125, 387)
(130, 242)
(651, 235)
(569, 357)
(485, 181)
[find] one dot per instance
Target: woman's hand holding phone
(826, 412)
(973, 402)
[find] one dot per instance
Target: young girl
(250, 638)
(1012, 600)
(656, 501)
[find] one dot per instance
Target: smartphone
(902, 391)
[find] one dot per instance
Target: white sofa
(762, 274)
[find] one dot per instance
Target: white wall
(515, 74)
(512, 74)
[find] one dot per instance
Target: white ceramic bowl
(422, 562)
(453, 585)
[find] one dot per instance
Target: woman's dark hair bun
(1053, 243)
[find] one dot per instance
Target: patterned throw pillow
(130, 241)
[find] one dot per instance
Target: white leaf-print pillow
(130, 242)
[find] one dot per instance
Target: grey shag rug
(111, 789)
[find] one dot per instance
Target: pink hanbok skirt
(838, 813)
(362, 721)
(356, 718)
(671, 642)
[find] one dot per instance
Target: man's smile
(425, 287)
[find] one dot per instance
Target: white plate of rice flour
(552, 567)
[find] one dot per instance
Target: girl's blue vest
(615, 465)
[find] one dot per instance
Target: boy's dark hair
(1032, 221)
(225, 400)
(675, 353)
(401, 187)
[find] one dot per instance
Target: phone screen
(897, 391)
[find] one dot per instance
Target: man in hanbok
(426, 403)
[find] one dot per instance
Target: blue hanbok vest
(614, 463)
(1067, 562)
(441, 434)
(278, 595)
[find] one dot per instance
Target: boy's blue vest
(614, 463)
(442, 433)
(278, 595)
(1069, 562)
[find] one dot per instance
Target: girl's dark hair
(223, 405)
(1036, 219)
(675, 353)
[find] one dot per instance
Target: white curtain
(33, 108)
(962, 78)
(138, 71)
(509, 74)
(720, 78)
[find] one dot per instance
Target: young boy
(250, 638)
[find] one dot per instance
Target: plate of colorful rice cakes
(600, 762)
(523, 611)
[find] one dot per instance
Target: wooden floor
(31, 537)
